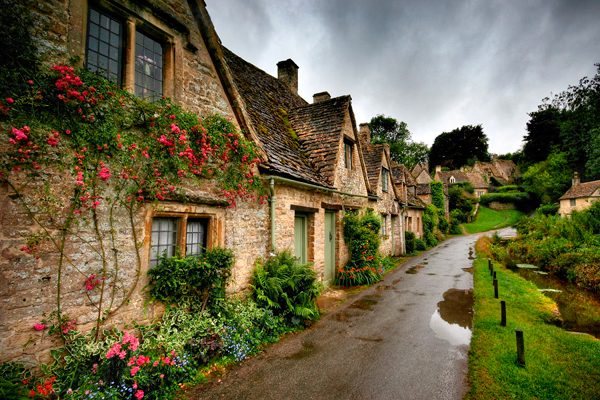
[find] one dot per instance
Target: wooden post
(502, 313)
(520, 348)
(490, 264)
(492, 271)
(495, 288)
(494, 275)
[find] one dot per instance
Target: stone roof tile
(584, 189)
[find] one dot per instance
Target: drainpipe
(272, 204)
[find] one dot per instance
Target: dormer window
(452, 179)
(348, 147)
(385, 177)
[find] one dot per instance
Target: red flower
(39, 326)
(104, 173)
(10, 100)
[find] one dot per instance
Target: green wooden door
(300, 238)
(329, 246)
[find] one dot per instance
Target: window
(142, 68)
(452, 179)
(384, 179)
(105, 46)
(384, 230)
(572, 202)
(166, 239)
(148, 67)
(348, 154)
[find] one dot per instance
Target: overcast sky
(437, 65)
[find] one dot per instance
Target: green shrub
(361, 234)
(547, 209)
(192, 280)
(521, 200)
(437, 194)
(410, 239)
(420, 244)
(286, 287)
(508, 188)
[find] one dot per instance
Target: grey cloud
(434, 64)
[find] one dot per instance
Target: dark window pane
(148, 70)
(104, 42)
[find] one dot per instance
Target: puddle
(469, 270)
(453, 319)
(395, 281)
(366, 303)
(431, 273)
(579, 309)
(306, 350)
(415, 269)
(370, 339)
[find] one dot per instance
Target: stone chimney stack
(321, 96)
(438, 168)
(287, 72)
(364, 133)
(576, 180)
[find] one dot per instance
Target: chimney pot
(287, 72)
(321, 96)
(364, 133)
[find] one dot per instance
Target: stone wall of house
(292, 200)
(581, 204)
(349, 180)
(59, 29)
(413, 221)
(29, 282)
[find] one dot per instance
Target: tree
(396, 134)
(388, 130)
(543, 133)
(549, 179)
(462, 146)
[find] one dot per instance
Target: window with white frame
(178, 235)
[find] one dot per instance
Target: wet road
(404, 338)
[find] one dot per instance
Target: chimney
(321, 96)
(438, 168)
(287, 72)
(364, 133)
(576, 180)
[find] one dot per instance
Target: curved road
(404, 338)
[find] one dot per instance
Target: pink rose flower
(39, 326)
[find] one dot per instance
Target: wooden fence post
(520, 348)
(502, 313)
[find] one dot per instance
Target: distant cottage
(580, 196)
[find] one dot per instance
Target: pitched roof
(319, 127)
(415, 202)
(268, 103)
(584, 189)
(458, 175)
(423, 188)
(373, 155)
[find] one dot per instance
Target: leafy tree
(402, 149)
(543, 133)
(462, 146)
(568, 123)
(388, 130)
(548, 180)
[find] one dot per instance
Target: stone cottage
(152, 48)
(579, 196)
(388, 203)
(313, 167)
(413, 205)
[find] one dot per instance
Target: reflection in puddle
(453, 319)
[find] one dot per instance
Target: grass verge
(559, 364)
(488, 219)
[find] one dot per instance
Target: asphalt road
(404, 338)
